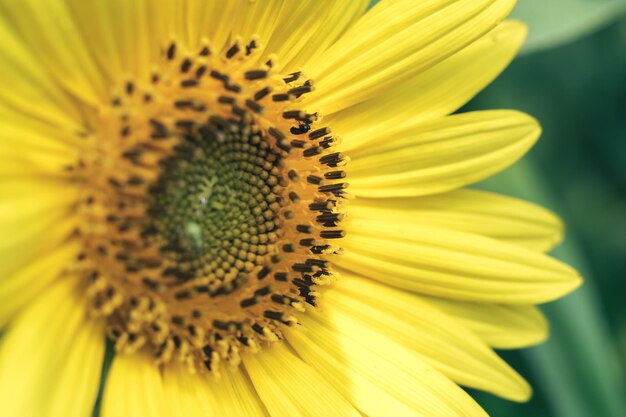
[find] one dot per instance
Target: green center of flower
(212, 206)
(216, 203)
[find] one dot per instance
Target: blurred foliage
(553, 22)
(578, 168)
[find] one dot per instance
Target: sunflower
(257, 205)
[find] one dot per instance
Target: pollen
(212, 205)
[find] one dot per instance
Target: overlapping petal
(379, 376)
(442, 155)
(432, 94)
(290, 387)
(441, 340)
(394, 42)
(453, 264)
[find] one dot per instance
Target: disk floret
(212, 204)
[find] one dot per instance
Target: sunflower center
(212, 204)
(215, 206)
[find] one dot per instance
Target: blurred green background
(571, 76)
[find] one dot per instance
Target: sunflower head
(212, 202)
(172, 181)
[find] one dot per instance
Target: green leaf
(577, 369)
(555, 22)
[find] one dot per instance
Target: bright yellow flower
(174, 177)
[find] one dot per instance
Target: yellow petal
(306, 28)
(341, 16)
(143, 31)
(437, 92)
(33, 146)
(500, 326)
(33, 213)
(394, 42)
(453, 264)
(51, 33)
(20, 287)
(296, 31)
(126, 37)
(187, 394)
(290, 387)
(503, 218)
(134, 388)
(442, 155)
(203, 395)
(51, 357)
(35, 218)
(21, 134)
(27, 151)
(236, 395)
(380, 377)
(221, 21)
(99, 26)
(440, 340)
(27, 90)
(28, 248)
(249, 19)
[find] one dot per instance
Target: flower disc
(211, 206)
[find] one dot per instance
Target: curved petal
(379, 376)
(134, 388)
(51, 357)
(499, 217)
(500, 326)
(306, 28)
(452, 264)
(442, 155)
(443, 342)
(395, 41)
(437, 92)
(290, 387)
